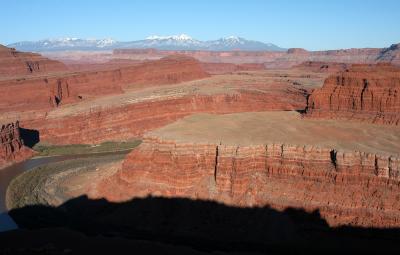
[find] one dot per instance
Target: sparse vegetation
(53, 150)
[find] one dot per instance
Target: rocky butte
(363, 92)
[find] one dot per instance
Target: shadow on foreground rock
(29, 136)
(183, 226)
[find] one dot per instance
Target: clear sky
(310, 24)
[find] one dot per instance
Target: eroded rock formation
(286, 59)
(13, 63)
(51, 91)
(133, 120)
(12, 147)
(364, 92)
(347, 187)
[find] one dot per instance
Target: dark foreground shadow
(183, 226)
(29, 136)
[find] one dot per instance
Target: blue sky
(308, 24)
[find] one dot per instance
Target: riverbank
(43, 184)
(51, 160)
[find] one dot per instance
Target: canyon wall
(12, 147)
(133, 120)
(347, 187)
(286, 59)
(364, 92)
(47, 92)
(13, 63)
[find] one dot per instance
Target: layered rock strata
(270, 158)
(12, 147)
(134, 119)
(364, 92)
(354, 188)
(270, 59)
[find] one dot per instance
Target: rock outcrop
(322, 67)
(168, 70)
(353, 188)
(14, 63)
(12, 147)
(364, 92)
(47, 92)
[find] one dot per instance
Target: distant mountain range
(174, 42)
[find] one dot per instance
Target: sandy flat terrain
(282, 127)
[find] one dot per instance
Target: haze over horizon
(306, 24)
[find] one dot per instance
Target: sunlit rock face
(368, 93)
(47, 92)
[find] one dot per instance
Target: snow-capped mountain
(64, 44)
(238, 43)
(173, 42)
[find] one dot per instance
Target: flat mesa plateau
(287, 127)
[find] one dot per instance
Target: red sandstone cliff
(50, 91)
(168, 70)
(348, 187)
(13, 63)
(12, 148)
(364, 92)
